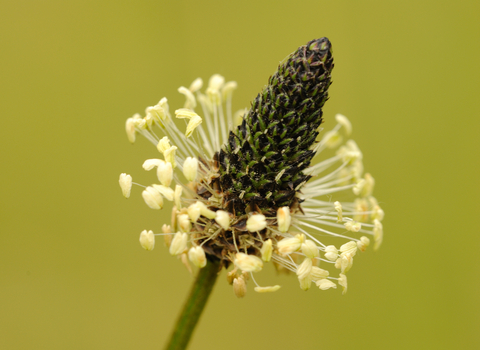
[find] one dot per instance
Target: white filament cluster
(322, 237)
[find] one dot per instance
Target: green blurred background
(73, 275)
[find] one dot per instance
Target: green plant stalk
(201, 289)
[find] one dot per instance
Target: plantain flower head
(245, 188)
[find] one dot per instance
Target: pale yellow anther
(159, 112)
(339, 209)
(369, 185)
(165, 173)
(193, 212)
(352, 145)
(353, 226)
(305, 283)
(310, 249)
(377, 234)
(349, 248)
(228, 88)
(149, 164)
(163, 144)
(332, 139)
(267, 250)
(148, 120)
(256, 222)
(184, 113)
(361, 210)
(179, 243)
(168, 236)
(147, 240)
(210, 214)
(178, 197)
(239, 287)
(196, 85)
(197, 256)
(343, 121)
(363, 243)
(269, 289)
(304, 269)
(358, 188)
(350, 152)
(377, 213)
(130, 129)
(169, 155)
(342, 280)
(192, 125)
(194, 119)
(289, 245)
(356, 170)
(165, 191)
(216, 82)
(284, 219)
(190, 102)
(184, 223)
(231, 275)
(331, 253)
(153, 198)
(318, 273)
(214, 96)
(344, 262)
(125, 182)
(248, 263)
(140, 123)
(325, 284)
(223, 219)
(190, 168)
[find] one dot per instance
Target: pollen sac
(325, 284)
(248, 263)
(267, 250)
(152, 198)
(256, 222)
(239, 287)
(269, 289)
(190, 168)
(147, 240)
(179, 243)
(197, 256)
(223, 219)
(125, 184)
(284, 219)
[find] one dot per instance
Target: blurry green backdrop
(73, 275)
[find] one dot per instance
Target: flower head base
(251, 194)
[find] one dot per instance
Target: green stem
(201, 289)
